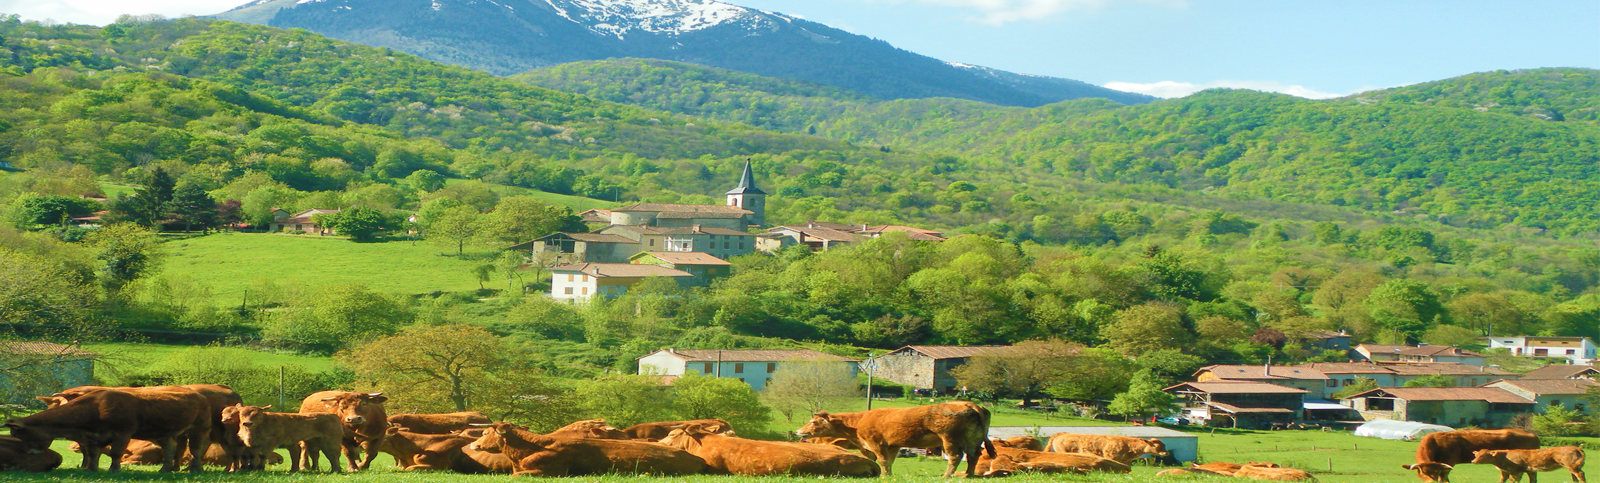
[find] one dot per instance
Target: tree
(1143, 397)
(1557, 420)
(1145, 328)
(359, 223)
(424, 180)
(338, 316)
(1097, 373)
(29, 212)
(191, 206)
(707, 397)
(425, 363)
(625, 400)
(1450, 335)
(518, 219)
(809, 386)
(1404, 306)
(454, 226)
(128, 252)
(40, 292)
(147, 206)
(1436, 380)
(1361, 385)
(1022, 370)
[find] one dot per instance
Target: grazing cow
(364, 421)
(1438, 453)
(656, 431)
(1275, 474)
(444, 423)
(1124, 449)
(1004, 466)
(267, 431)
(1043, 462)
(960, 428)
(1021, 442)
(221, 397)
(1513, 463)
(419, 451)
(589, 428)
(540, 455)
(747, 457)
(165, 415)
(17, 456)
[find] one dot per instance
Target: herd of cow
(168, 425)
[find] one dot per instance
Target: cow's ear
(392, 430)
(506, 429)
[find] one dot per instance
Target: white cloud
(1171, 89)
(1005, 11)
(101, 12)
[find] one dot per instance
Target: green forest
(1222, 227)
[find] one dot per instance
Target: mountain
(1550, 94)
(509, 36)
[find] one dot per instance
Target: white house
(611, 280)
(753, 367)
(1576, 350)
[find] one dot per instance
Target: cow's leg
(199, 442)
(1577, 474)
(952, 458)
(299, 458)
(118, 447)
(972, 459)
(91, 454)
(352, 452)
(886, 455)
(331, 449)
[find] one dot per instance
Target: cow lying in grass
(16, 456)
(1010, 460)
(1124, 449)
(540, 455)
(443, 423)
(657, 431)
(746, 457)
(1256, 472)
(1513, 463)
(419, 451)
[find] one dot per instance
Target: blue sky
(1162, 47)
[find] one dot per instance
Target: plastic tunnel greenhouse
(1404, 430)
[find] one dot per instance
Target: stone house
(1546, 392)
(581, 247)
(705, 267)
(1239, 404)
(1486, 407)
(37, 368)
(610, 280)
(926, 366)
(753, 367)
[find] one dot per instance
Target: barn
(1185, 447)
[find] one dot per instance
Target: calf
(1439, 452)
(267, 431)
(840, 443)
(1275, 474)
(1043, 462)
(589, 428)
(540, 455)
(444, 423)
(1513, 463)
(1124, 449)
(363, 417)
(111, 417)
(418, 451)
(656, 431)
(960, 428)
(738, 456)
(17, 456)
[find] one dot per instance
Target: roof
(1233, 387)
(1326, 334)
(750, 355)
(1239, 410)
(583, 237)
(667, 215)
(818, 233)
(1445, 368)
(684, 258)
(677, 208)
(602, 270)
(747, 183)
(305, 216)
(1263, 372)
(42, 348)
(704, 230)
(913, 232)
(596, 216)
(1549, 386)
(1486, 394)
(950, 351)
(1348, 368)
(1439, 350)
(1560, 371)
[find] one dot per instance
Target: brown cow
(589, 428)
(540, 455)
(1439, 452)
(267, 431)
(221, 397)
(17, 456)
(747, 457)
(656, 431)
(419, 451)
(1269, 473)
(444, 423)
(1190, 472)
(1124, 449)
(364, 421)
(1228, 468)
(1021, 442)
(1040, 461)
(101, 418)
(840, 443)
(145, 453)
(960, 428)
(1513, 463)
(1004, 466)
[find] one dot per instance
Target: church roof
(747, 183)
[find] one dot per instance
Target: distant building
(1327, 340)
(1576, 350)
(753, 367)
(581, 247)
(821, 236)
(304, 221)
(1314, 382)
(1549, 392)
(35, 368)
(1487, 407)
(926, 366)
(609, 280)
(705, 267)
(1562, 371)
(1398, 374)
(1427, 353)
(1239, 404)
(722, 243)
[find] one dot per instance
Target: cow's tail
(988, 446)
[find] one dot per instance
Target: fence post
(280, 388)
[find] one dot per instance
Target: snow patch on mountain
(674, 17)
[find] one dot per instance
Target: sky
(1166, 48)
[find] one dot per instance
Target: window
(586, 290)
(738, 367)
(771, 366)
(1572, 351)
(569, 290)
(741, 379)
(585, 278)
(569, 277)
(741, 245)
(1349, 382)
(1333, 383)
(707, 371)
(652, 242)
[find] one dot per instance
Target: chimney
(697, 228)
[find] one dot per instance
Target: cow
(960, 428)
(746, 457)
(588, 428)
(316, 432)
(221, 397)
(1043, 462)
(111, 417)
(840, 443)
(145, 453)
(444, 423)
(1124, 449)
(1004, 466)
(363, 417)
(419, 451)
(1513, 463)
(1021, 442)
(494, 462)
(1191, 472)
(1228, 468)
(1255, 472)
(656, 431)
(540, 455)
(1439, 452)
(18, 456)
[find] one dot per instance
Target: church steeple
(749, 197)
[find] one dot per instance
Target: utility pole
(870, 365)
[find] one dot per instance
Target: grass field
(133, 358)
(229, 263)
(577, 203)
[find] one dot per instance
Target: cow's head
(683, 439)
(1431, 471)
(1021, 442)
(34, 440)
(1487, 456)
(356, 408)
(230, 414)
(821, 424)
(709, 427)
(494, 439)
(250, 416)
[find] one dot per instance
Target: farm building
(1488, 407)
(1562, 371)
(926, 366)
(1313, 381)
(753, 367)
(1239, 404)
(1546, 392)
(35, 368)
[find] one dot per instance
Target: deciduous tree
(424, 364)
(1022, 370)
(706, 397)
(809, 386)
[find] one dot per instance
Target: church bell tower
(749, 197)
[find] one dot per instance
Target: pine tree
(191, 206)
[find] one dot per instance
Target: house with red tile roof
(583, 280)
